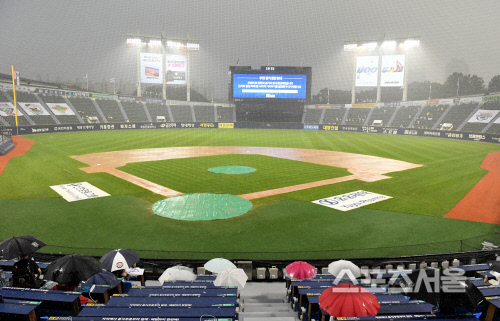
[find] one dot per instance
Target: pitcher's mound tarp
(202, 207)
(232, 170)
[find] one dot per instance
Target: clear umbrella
(341, 268)
(177, 273)
(218, 265)
(231, 277)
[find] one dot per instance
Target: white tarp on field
(78, 191)
(353, 200)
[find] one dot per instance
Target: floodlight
(136, 42)
(389, 44)
(154, 43)
(193, 46)
(350, 47)
(175, 44)
(411, 43)
(369, 45)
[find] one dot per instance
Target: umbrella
(71, 269)
(300, 270)
(177, 273)
(340, 268)
(231, 277)
(218, 264)
(103, 278)
(495, 266)
(348, 300)
(19, 246)
(119, 260)
(448, 292)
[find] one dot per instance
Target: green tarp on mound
(202, 207)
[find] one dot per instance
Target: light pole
(382, 46)
(163, 43)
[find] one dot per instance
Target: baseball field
(429, 178)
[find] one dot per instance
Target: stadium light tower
(145, 43)
(378, 48)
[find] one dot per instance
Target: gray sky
(68, 39)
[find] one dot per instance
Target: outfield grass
(282, 225)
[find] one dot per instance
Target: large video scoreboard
(270, 83)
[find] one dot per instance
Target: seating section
(225, 114)
(458, 114)
(494, 129)
(383, 113)
(204, 113)
(404, 115)
(334, 116)
(181, 112)
(135, 111)
(312, 116)
(157, 110)
(85, 108)
(356, 116)
(491, 105)
(111, 110)
(429, 116)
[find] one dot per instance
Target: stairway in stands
(265, 302)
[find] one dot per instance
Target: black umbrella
(495, 266)
(71, 269)
(103, 278)
(19, 246)
(119, 260)
(445, 290)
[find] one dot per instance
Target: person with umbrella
(23, 273)
(70, 270)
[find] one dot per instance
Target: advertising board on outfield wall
(483, 137)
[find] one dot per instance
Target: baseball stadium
(272, 162)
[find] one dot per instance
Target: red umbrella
(348, 300)
(300, 270)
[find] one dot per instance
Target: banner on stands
(33, 109)
(60, 108)
(483, 116)
(7, 109)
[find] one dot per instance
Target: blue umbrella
(103, 278)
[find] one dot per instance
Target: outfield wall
(40, 129)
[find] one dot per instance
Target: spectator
(72, 288)
(23, 273)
